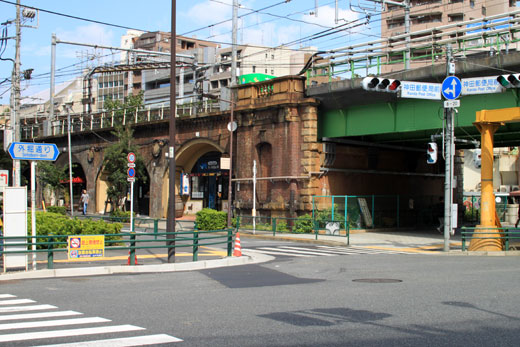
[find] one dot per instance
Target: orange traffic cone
(128, 262)
(238, 249)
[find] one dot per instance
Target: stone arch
(185, 159)
(79, 179)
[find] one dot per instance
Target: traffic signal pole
(449, 146)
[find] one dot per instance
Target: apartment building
(432, 14)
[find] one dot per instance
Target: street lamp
(67, 107)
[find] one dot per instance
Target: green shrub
(303, 224)
(48, 223)
(281, 226)
(120, 216)
(57, 209)
(209, 219)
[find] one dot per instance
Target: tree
(115, 159)
(53, 176)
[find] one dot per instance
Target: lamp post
(67, 107)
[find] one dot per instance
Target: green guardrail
(506, 235)
(134, 241)
(285, 225)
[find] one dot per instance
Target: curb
(139, 269)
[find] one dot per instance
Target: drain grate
(377, 280)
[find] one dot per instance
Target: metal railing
(125, 241)
(284, 225)
(497, 33)
(509, 237)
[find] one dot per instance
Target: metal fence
(509, 237)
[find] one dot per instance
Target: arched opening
(142, 195)
(199, 161)
(79, 182)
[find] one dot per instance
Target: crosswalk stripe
(6, 296)
(279, 253)
(26, 308)
(68, 333)
(321, 251)
(53, 323)
(39, 315)
(297, 251)
(305, 250)
(16, 302)
(127, 341)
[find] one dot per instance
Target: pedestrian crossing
(320, 251)
(24, 322)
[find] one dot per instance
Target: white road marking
(53, 323)
(291, 250)
(123, 342)
(26, 308)
(6, 296)
(67, 333)
(277, 253)
(16, 302)
(39, 315)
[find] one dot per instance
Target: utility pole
(15, 96)
(407, 31)
(170, 221)
(449, 158)
(232, 109)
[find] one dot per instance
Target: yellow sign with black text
(81, 247)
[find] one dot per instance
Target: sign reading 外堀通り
(81, 247)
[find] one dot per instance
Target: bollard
(230, 242)
(132, 249)
(50, 254)
(156, 228)
(195, 245)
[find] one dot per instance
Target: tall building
(432, 14)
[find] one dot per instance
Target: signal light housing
(431, 153)
(381, 84)
(509, 81)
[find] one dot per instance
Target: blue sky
(265, 28)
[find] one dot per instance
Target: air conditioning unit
(514, 188)
(505, 189)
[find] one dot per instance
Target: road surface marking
(67, 333)
(26, 308)
(39, 315)
(16, 302)
(127, 341)
(53, 323)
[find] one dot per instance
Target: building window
(456, 1)
(272, 56)
(272, 72)
(472, 3)
(484, 10)
(266, 71)
(456, 17)
(100, 85)
(254, 69)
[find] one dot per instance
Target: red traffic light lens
(394, 85)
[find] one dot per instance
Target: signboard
(33, 151)
(420, 90)
(367, 217)
(4, 179)
(131, 157)
(85, 247)
(131, 172)
(185, 184)
(451, 103)
(481, 85)
(15, 225)
(451, 87)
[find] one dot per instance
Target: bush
(209, 219)
(57, 209)
(281, 226)
(56, 224)
(120, 216)
(303, 224)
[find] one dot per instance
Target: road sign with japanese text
(85, 246)
(33, 151)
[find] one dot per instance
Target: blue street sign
(451, 87)
(131, 172)
(33, 151)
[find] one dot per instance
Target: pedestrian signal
(431, 153)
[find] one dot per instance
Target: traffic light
(509, 81)
(431, 153)
(381, 84)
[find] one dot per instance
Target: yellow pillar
(488, 218)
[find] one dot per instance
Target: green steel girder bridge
(349, 114)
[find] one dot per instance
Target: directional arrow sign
(451, 87)
(33, 151)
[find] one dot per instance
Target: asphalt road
(338, 300)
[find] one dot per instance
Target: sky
(274, 23)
